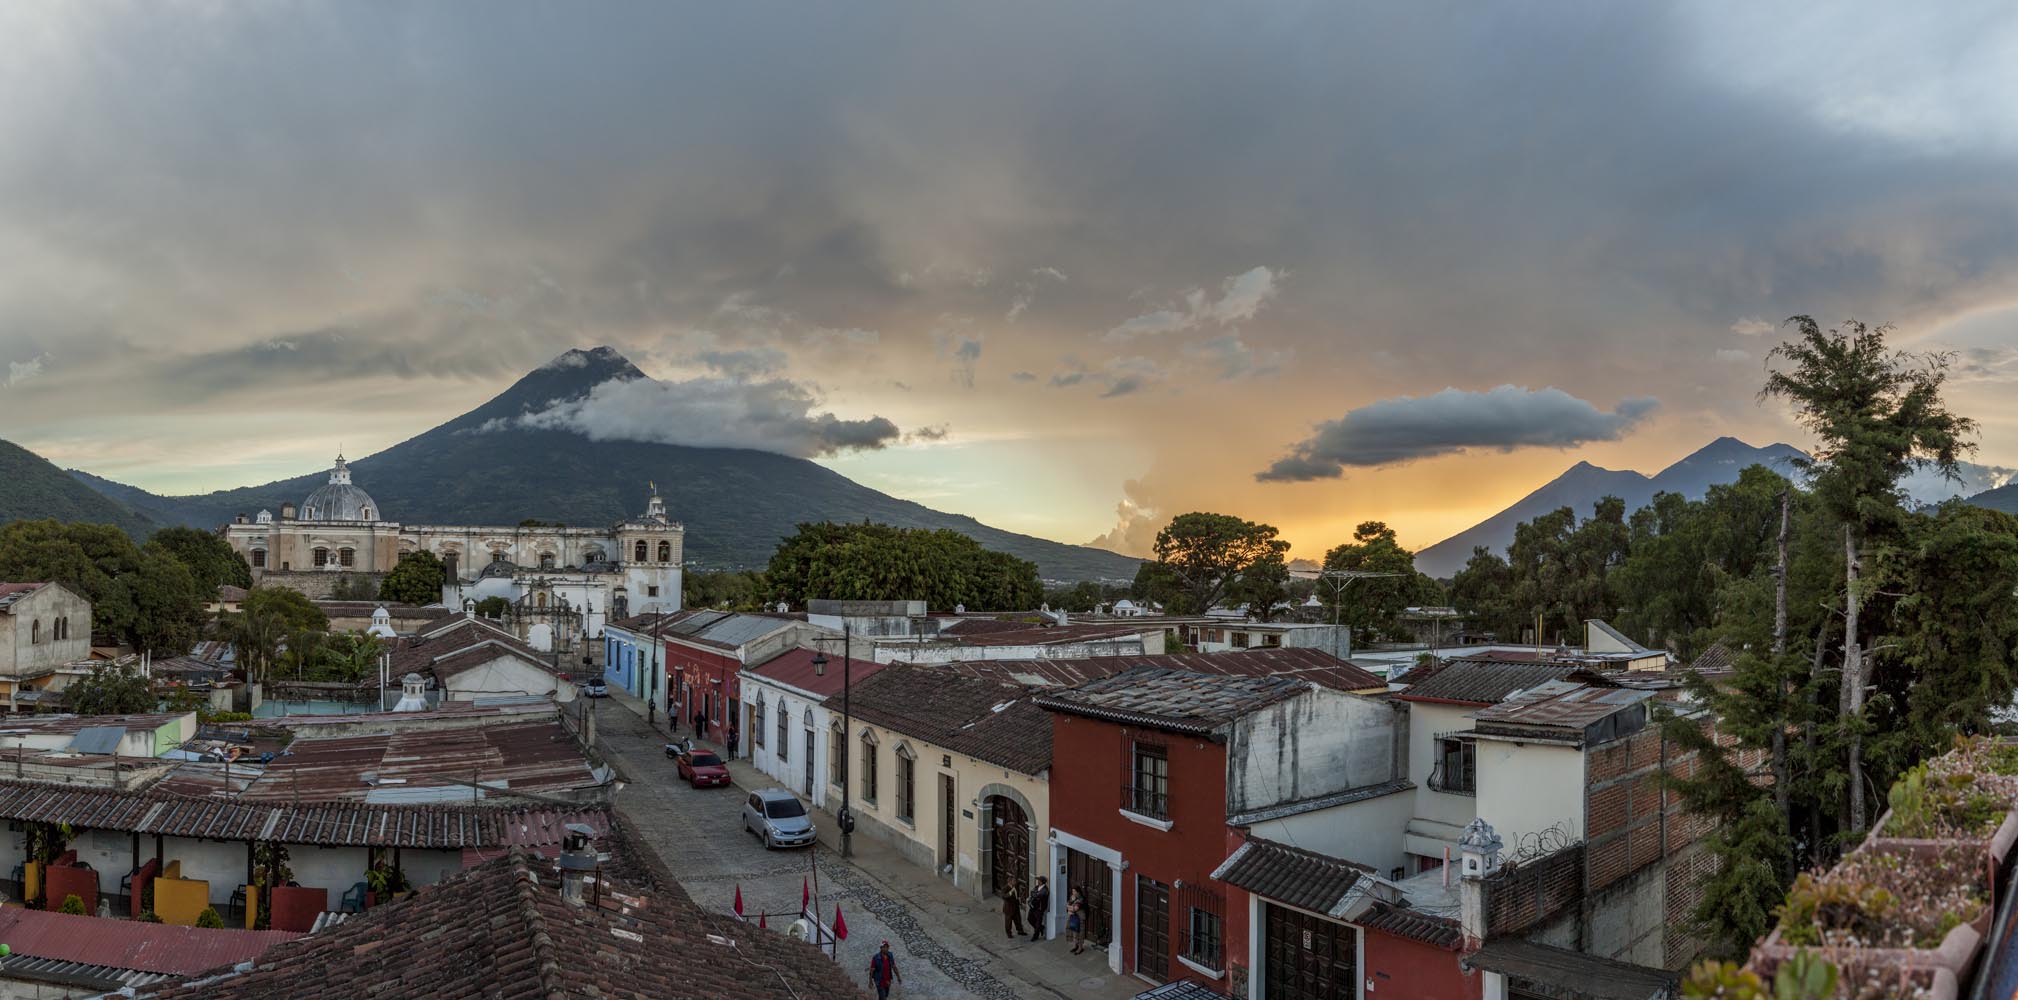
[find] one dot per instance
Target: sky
(1070, 268)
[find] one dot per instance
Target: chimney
(1478, 859)
(578, 863)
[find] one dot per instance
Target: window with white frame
(868, 765)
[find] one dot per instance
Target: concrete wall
(1365, 832)
(1317, 743)
(1524, 789)
(316, 584)
(222, 863)
(23, 651)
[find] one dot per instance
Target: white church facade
(573, 579)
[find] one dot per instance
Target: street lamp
(845, 817)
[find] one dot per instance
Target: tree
(1205, 554)
(354, 587)
(73, 904)
(416, 580)
(1260, 587)
(730, 590)
(1372, 606)
(876, 562)
(1483, 591)
(1879, 414)
(494, 608)
(144, 597)
(350, 656)
(208, 557)
(109, 691)
(266, 622)
(209, 919)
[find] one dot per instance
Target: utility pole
(844, 818)
(1340, 579)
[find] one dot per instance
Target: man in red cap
(882, 969)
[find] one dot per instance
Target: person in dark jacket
(1040, 904)
(882, 969)
(734, 734)
(1012, 913)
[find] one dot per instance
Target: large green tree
(876, 562)
(1205, 554)
(1373, 605)
(1878, 414)
(208, 557)
(144, 597)
(416, 580)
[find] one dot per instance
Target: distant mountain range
(736, 503)
(1720, 461)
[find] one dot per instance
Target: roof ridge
(526, 890)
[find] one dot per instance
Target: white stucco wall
(504, 675)
(1448, 813)
(1526, 788)
(1366, 832)
(790, 772)
(20, 653)
(223, 864)
(333, 868)
(1317, 743)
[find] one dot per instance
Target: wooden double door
(1152, 928)
(1308, 957)
(1009, 846)
(1094, 879)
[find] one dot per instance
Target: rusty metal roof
(1568, 709)
(1178, 700)
(521, 756)
(1314, 665)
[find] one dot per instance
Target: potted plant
(377, 885)
(1921, 907)
(1946, 801)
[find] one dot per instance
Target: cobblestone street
(933, 930)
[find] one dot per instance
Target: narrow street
(934, 930)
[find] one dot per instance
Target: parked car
(702, 769)
(778, 819)
(594, 687)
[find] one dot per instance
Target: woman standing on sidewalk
(1075, 924)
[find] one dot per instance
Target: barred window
(1148, 791)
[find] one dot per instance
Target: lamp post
(845, 817)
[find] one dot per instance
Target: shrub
(209, 918)
(149, 917)
(72, 904)
(1945, 805)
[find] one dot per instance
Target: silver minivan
(778, 818)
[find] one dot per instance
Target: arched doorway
(1009, 845)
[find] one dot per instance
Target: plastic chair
(353, 899)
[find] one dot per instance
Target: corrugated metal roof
(11, 592)
(130, 944)
(1480, 682)
(1314, 665)
(1173, 699)
(536, 756)
(98, 739)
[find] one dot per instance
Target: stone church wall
(317, 585)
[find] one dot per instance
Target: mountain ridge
(482, 467)
(34, 488)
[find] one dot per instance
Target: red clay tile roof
(795, 667)
(501, 931)
(1415, 925)
(981, 718)
(328, 824)
(129, 944)
(1316, 882)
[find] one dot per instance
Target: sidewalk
(936, 902)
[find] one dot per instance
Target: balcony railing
(1146, 801)
(1209, 952)
(1464, 782)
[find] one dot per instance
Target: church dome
(339, 500)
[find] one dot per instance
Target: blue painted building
(626, 657)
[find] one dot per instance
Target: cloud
(1136, 522)
(1232, 358)
(1026, 291)
(963, 348)
(1752, 326)
(745, 363)
(1023, 376)
(1407, 428)
(1240, 298)
(1985, 364)
(933, 432)
(1120, 376)
(21, 371)
(771, 415)
(1731, 355)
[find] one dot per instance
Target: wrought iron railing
(1147, 801)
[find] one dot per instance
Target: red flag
(762, 922)
(739, 899)
(805, 897)
(840, 925)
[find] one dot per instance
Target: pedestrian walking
(1040, 900)
(883, 969)
(1012, 913)
(734, 733)
(1075, 921)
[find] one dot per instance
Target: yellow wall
(179, 900)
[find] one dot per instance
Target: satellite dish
(801, 930)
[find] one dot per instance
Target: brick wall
(1686, 873)
(1528, 894)
(1631, 819)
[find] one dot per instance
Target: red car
(701, 768)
